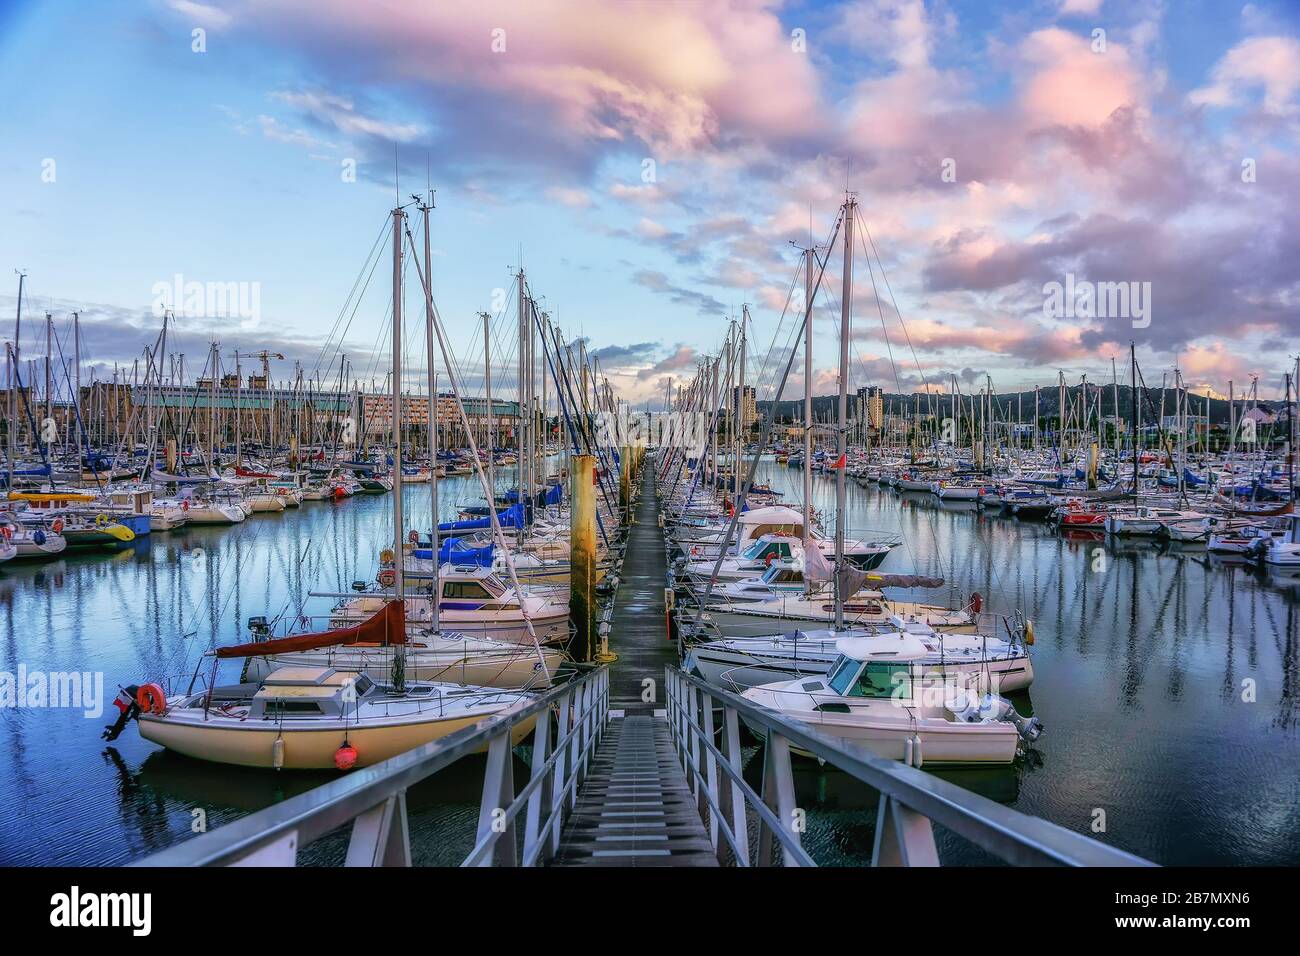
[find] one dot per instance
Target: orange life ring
(185, 504)
(771, 557)
(57, 526)
(6, 531)
(976, 602)
(387, 578)
(151, 699)
(413, 536)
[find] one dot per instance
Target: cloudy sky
(652, 164)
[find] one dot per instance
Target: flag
(839, 462)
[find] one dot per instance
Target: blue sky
(225, 166)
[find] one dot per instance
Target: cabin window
(883, 681)
(465, 589)
(362, 684)
(291, 708)
(842, 674)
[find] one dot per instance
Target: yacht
(474, 601)
(743, 662)
(876, 695)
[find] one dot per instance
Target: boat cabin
(874, 668)
(296, 692)
(770, 547)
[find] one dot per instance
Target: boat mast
(76, 359)
(491, 424)
(1132, 354)
(841, 492)
(239, 418)
(809, 259)
(13, 390)
(740, 403)
(435, 596)
(399, 660)
(212, 408)
(522, 429)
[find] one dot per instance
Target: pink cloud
(1070, 82)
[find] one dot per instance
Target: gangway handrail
(373, 799)
(911, 801)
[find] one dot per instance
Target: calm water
(1140, 661)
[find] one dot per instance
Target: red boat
(1077, 514)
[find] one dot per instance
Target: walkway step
(635, 808)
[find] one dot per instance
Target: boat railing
(912, 802)
(570, 722)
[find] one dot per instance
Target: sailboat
(309, 716)
(303, 717)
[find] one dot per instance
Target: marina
(994, 604)
(595, 443)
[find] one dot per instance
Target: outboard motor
(999, 708)
(128, 710)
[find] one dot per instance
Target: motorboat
(740, 663)
(876, 695)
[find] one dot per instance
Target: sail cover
(851, 581)
(456, 551)
(386, 626)
(512, 517)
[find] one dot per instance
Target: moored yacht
(875, 694)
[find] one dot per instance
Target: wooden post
(582, 556)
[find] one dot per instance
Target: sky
(654, 166)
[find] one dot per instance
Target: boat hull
(305, 748)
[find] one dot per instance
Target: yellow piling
(582, 556)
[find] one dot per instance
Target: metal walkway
(639, 628)
(635, 808)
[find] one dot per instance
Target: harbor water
(1167, 681)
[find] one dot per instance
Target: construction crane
(266, 357)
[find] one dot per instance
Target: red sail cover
(387, 626)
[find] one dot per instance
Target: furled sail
(386, 626)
